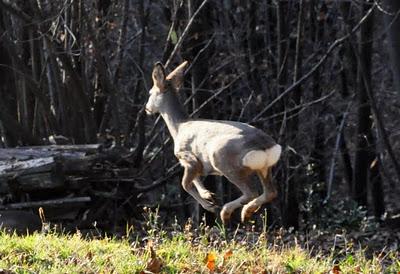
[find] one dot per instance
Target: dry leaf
(258, 270)
(210, 261)
(228, 254)
(155, 264)
(357, 269)
(62, 37)
(335, 270)
(374, 162)
(225, 258)
(89, 255)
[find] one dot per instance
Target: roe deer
(226, 148)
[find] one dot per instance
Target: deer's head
(164, 86)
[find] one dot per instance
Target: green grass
(176, 251)
(53, 253)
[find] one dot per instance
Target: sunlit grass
(52, 253)
(178, 251)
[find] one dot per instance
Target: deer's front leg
(187, 183)
(204, 193)
(191, 182)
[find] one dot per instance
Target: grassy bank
(184, 251)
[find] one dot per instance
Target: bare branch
(335, 152)
(335, 44)
(184, 33)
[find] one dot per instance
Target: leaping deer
(212, 147)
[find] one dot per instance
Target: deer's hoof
(225, 216)
(213, 208)
(248, 210)
(208, 195)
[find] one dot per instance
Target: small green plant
(343, 213)
(152, 217)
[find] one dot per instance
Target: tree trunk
(317, 32)
(392, 20)
(366, 148)
(290, 214)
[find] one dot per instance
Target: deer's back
(220, 144)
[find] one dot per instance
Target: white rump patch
(255, 159)
(273, 154)
(259, 159)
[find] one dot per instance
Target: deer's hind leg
(247, 194)
(269, 194)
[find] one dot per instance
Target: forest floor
(184, 249)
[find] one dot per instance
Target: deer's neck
(173, 114)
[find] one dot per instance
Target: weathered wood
(80, 163)
(32, 177)
(26, 153)
(40, 181)
(47, 203)
(50, 163)
(8, 168)
(4, 188)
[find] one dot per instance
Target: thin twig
(12, 7)
(301, 107)
(219, 91)
(160, 181)
(171, 29)
(335, 44)
(245, 105)
(335, 152)
(200, 52)
(184, 34)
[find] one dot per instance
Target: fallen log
(46, 203)
(39, 181)
(14, 168)
(36, 168)
(26, 153)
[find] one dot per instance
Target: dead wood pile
(81, 184)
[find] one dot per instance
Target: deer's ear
(158, 76)
(176, 77)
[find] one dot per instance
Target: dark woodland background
(321, 77)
